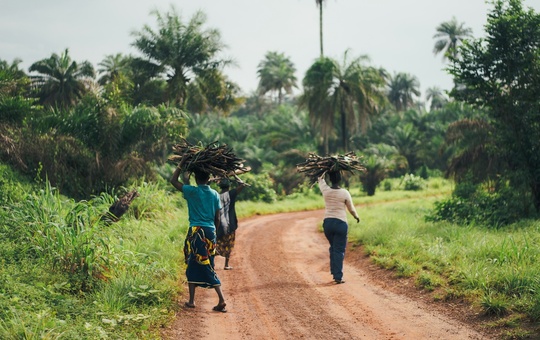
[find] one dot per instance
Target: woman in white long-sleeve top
(337, 201)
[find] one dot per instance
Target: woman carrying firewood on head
(204, 208)
(199, 247)
(229, 221)
(337, 202)
(335, 226)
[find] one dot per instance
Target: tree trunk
(344, 137)
(321, 27)
(326, 145)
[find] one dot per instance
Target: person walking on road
(337, 201)
(199, 247)
(228, 219)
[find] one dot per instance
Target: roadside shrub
(259, 190)
(471, 203)
(413, 183)
(387, 185)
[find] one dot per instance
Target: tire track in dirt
(281, 288)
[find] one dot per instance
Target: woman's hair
(335, 177)
(201, 176)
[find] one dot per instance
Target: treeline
(89, 130)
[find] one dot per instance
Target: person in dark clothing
(228, 221)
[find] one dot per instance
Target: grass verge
(65, 275)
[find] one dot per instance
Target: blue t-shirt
(203, 203)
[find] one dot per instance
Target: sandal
(220, 308)
(228, 268)
(189, 305)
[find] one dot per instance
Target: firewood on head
(315, 166)
(216, 159)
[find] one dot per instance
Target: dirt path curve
(281, 288)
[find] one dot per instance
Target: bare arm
(350, 206)
(240, 187)
(174, 179)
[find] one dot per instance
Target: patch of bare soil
(281, 288)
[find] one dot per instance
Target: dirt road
(281, 288)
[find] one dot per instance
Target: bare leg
(191, 287)
(226, 262)
(220, 295)
(220, 307)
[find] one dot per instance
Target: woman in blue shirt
(200, 244)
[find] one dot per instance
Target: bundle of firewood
(216, 159)
(316, 166)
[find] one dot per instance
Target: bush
(11, 189)
(386, 185)
(471, 203)
(13, 110)
(260, 189)
(413, 183)
(423, 172)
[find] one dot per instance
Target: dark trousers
(335, 231)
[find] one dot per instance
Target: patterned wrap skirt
(199, 252)
(225, 244)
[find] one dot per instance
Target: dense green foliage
(511, 92)
(498, 153)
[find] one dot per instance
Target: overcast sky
(396, 34)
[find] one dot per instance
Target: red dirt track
(281, 288)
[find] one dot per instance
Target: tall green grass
(63, 274)
(497, 269)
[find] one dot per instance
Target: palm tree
(320, 5)
(113, 67)
(376, 171)
(212, 90)
(183, 50)
(116, 78)
(474, 151)
(350, 90)
(450, 34)
(13, 80)
(437, 98)
(401, 89)
(60, 80)
(148, 86)
(12, 69)
(407, 141)
(276, 74)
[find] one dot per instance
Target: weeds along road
(281, 288)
